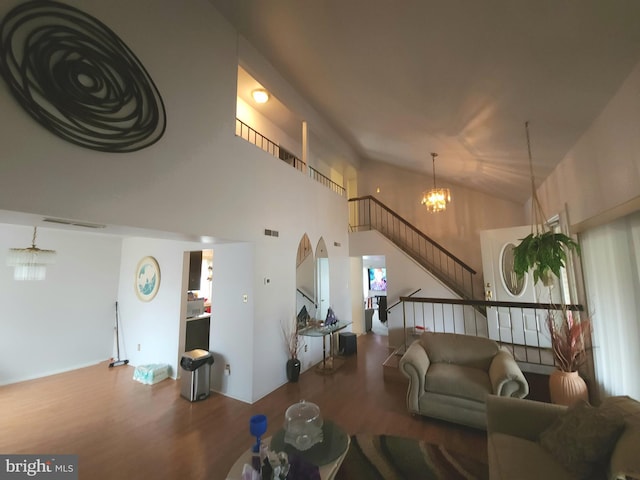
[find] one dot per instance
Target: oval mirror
(512, 284)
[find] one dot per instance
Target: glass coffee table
(327, 455)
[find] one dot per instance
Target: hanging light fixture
(436, 199)
(30, 263)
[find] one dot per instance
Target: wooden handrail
(400, 299)
(411, 227)
(490, 303)
(307, 297)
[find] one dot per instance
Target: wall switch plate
(138, 347)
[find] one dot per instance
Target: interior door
(517, 326)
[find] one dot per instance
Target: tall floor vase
(293, 369)
(567, 388)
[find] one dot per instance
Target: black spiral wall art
(74, 75)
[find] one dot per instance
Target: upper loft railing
(367, 213)
(256, 138)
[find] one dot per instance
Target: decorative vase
(293, 369)
(566, 388)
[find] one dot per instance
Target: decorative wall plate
(147, 281)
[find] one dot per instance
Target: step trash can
(196, 377)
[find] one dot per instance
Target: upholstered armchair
(451, 375)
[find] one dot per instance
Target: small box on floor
(151, 374)
(347, 343)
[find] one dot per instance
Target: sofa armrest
(414, 365)
(519, 417)
(506, 377)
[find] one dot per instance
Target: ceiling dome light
(260, 95)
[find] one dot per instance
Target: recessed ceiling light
(260, 95)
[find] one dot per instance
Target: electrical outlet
(245, 298)
(306, 348)
(138, 347)
(227, 369)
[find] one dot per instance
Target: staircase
(367, 213)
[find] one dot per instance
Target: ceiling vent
(62, 221)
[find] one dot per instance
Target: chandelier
(436, 199)
(30, 263)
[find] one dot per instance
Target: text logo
(50, 467)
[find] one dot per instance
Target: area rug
(386, 457)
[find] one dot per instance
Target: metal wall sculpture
(74, 75)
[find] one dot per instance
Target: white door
(520, 326)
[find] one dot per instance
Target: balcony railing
(256, 138)
(519, 326)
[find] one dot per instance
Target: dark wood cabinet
(195, 268)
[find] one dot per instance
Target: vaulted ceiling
(401, 79)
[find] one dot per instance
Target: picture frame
(147, 279)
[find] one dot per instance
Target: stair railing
(521, 328)
(367, 213)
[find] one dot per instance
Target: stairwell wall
(458, 228)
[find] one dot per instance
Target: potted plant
(294, 346)
(569, 352)
(545, 253)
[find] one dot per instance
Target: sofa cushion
(458, 381)
(583, 437)
(514, 457)
(625, 461)
(460, 349)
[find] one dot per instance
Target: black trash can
(196, 375)
(347, 343)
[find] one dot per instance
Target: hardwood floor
(122, 429)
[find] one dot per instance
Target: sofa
(451, 375)
(517, 430)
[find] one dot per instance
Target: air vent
(62, 221)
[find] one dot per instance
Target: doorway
(374, 288)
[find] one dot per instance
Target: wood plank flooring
(122, 429)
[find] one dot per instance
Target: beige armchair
(451, 375)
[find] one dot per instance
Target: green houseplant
(545, 253)
(542, 251)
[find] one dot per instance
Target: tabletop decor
(147, 281)
(78, 79)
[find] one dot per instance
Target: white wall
(404, 276)
(66, 321)
(198, 180)
(232, 330)
(602, 171)
(458, 228)
(154, 325)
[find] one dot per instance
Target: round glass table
(327, 455)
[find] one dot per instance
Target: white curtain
(611, 256)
